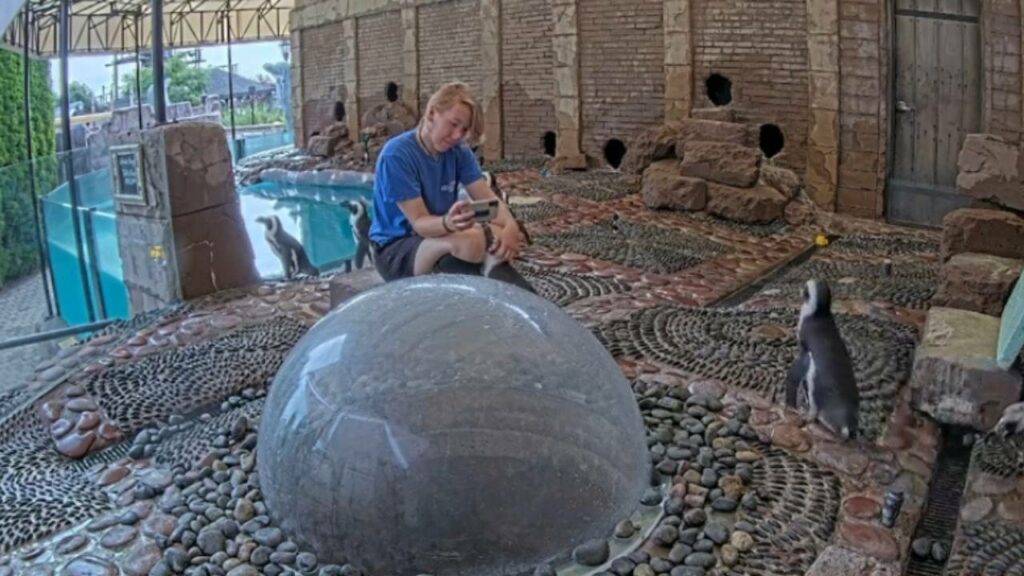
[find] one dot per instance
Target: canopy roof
(103, 27)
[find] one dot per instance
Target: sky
(96, 71)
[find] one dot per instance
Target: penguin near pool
(359, 217)
(823, 365)
(291, 253)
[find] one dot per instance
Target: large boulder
(782, 179)
(664, 187)
(977, 282)
(718, 114)
(396, 116)
(721, 162)
(748, 205)
(995, 232)
(710, 131)
(955, 378)
(653, 144)
(989, 169)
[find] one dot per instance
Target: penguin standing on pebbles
(823, 365)
(359, 216)
(287, 249)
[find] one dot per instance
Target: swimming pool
(310, 213)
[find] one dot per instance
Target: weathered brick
(379, 39)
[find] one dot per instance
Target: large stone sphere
(450, 425)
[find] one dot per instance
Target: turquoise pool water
(309, 213)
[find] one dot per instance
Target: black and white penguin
(287, 249)
(493, 183)
(359, 217)
(1011, 423)
(823, 365)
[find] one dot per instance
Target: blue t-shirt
(404, 171)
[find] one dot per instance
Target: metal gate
(937, 102)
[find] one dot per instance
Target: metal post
(94, 264)
(138, 71)
(37, 218)
(231, 75)
(65, 111)
(159, 104)
(113, 97)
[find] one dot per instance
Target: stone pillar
(678, 60)
(410, 57)
(823, 82)
(350, 75)
(296, 72)
(490, 63)
(187, 238)
(566, 70)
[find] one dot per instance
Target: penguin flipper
(796, 376)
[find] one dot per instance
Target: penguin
(823, 365)
(287, 249)
(359, 216)
(1012, 421)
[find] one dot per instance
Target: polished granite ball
(450, 425)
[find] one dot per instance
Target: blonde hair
(446, 97)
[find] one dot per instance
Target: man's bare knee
(469, 245)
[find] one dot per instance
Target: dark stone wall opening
(771, 140)
(719, 89)
(550, 143)
(614, 151)
(391, 91)
(339, 111)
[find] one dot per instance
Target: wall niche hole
(719, 89)
(771, 140)
(550, 142)
(339, 111)
(391, 91)
(614, 151)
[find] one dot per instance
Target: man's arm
(426, 224)
(479, 190)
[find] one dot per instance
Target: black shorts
(397, 259)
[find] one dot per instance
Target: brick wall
(1002, 61)
(527, 84)
(379, 37)
(622, 77)
(449, 45)
(323, 78)
(761, 46)
(863, 93)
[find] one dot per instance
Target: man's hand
(459, 216)
(506, 245)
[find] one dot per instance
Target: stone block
(145, 246)
(782, 179)
(748, 205)
(664, 187)
(955, 378)
(651, 145)
(721, 162)
(189, 165)
(717, 114)
(345, 286)
(213, 251)
(994, 232)
(989, 169)
(711, 131)
(977, 282)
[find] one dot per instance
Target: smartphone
(484, 210)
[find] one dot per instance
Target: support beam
(159, 102)
(411, 57)
(678, 60)
(350, 74)
(823, 84)
(566, 70)
(231, 79)
(490, 97)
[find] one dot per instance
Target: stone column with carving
(823, 123)
(350, 73)
(678, 60)
(410, 57)
(566, 70)
(490, 64)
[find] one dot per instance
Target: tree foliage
(185, 82)
(79, 92)
(17, 225)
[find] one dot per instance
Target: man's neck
(424, 143)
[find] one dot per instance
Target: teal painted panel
(1011, 327)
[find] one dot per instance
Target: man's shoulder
(402, 146)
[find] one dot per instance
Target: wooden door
(937, 102)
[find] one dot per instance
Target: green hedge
(17, 228)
